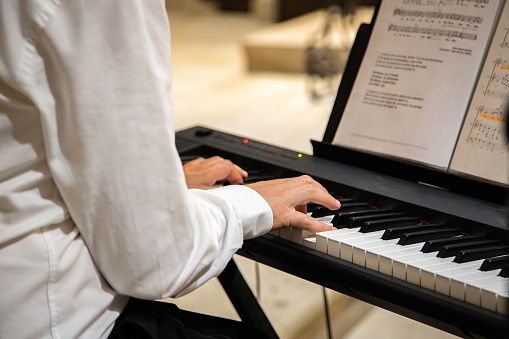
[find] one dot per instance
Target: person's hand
(211, 172)
(288, 198)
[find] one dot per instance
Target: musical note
(432, 32)
(438, 15)
(488, 129)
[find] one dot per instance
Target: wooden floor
(213, 87)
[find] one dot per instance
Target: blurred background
(244, 67)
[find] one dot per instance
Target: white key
(310, 242)
(373, 251)
(336, 241)
(443, 277)
(491, 295)
(359, 250)
(285, 233)
(400, 265)
(346, 251)
(503, 302)
(322, 238)
(473, 288)
(415, 270)
(298, 235)
(386, 259)
(428, 274)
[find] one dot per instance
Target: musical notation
(444, 3)
(438, 15)
(437, 32)
(488, 129)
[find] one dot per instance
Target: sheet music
(416, 78)
(482, 149)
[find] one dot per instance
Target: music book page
(416, 78)
(482, 149)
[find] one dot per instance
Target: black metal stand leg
(243, 300)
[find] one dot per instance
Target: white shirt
(93, 201)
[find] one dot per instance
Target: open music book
(433, 87)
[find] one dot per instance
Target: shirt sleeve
(101, 74)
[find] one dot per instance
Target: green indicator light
(300, 155)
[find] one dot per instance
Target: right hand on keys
(288, 198)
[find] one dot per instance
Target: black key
(311, 206)
(435, 245)
(260, 177)
(496, 263)
(481, 253)
(341, 219)
(378, 225)
(504, 272)
(346, 207)
(394, 233)
(455, 249)
(355, 222)
(416, 237)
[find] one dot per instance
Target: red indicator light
(246, 141)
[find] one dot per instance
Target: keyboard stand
(243, 299)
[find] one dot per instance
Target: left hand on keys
(212, 172)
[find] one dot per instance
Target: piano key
(298, 235)
(261, 177)
(421, 237)
(502, 302)
(473, 289)
(372, 254)
(435, 245)
(310, 242)
(495, 263)
(359, 252)
(386, 260)
(394, 233)
(312, 205)
(323, 237)
(408, 267)
(455, 249)
(505, 271)
(341, 219)
(347, 245)
(378, 225)
(285, 233)
(358, 221)
(470, 283)
(335, 242)
(345, 207)
(437, 276)
(481, 253)
(492, 298)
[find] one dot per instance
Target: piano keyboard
(435, 256)
(441, 259)
(464, 267)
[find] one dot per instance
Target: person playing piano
(96, 219)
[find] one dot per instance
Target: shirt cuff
(253, 210)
